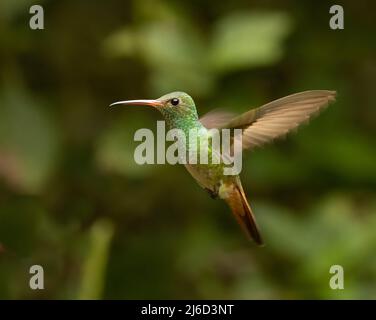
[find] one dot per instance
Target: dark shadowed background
(73, 200)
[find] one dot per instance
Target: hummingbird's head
(174, 106)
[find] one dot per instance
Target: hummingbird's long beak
(152, 103)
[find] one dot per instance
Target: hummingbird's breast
(208, 172)
(200, 154)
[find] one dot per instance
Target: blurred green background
(73, 200)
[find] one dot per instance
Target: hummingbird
(258, 127)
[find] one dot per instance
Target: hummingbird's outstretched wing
(216, 118)
(277, 118)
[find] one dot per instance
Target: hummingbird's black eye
(175, 101)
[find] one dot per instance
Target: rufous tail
(242, 211)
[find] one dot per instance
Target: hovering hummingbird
(259, 126)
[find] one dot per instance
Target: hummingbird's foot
(212, 193)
